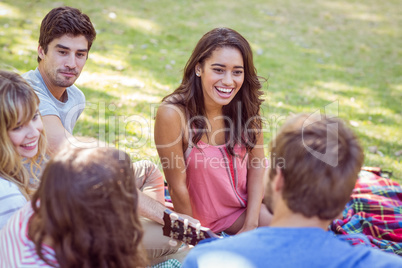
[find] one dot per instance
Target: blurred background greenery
(343, 56)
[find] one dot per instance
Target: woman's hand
(247, 228)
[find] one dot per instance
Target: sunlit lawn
(341, 55)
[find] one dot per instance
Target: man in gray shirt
(66, 36)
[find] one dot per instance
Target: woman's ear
(198, 70)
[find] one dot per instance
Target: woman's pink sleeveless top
(217, 184)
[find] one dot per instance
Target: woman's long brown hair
(86, 206)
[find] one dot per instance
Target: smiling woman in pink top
(208, 136)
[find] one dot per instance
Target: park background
(342, 57)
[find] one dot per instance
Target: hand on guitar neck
(188, 231)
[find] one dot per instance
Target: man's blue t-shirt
(287, 247)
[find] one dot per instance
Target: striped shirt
(16, 249)
(11, 199)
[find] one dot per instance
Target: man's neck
(57, 92)
(284, 217)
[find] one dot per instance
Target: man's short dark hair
(65, 20)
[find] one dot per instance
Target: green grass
(312, 52)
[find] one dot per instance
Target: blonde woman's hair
(17, 96)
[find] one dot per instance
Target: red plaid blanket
(375, 210)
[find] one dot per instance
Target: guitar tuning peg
(172, 242)
(185, 226)
(198, 230)
(173, 217)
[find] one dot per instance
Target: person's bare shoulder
(169, 110)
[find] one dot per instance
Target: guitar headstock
(180, 229)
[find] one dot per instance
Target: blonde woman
(22, 143)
